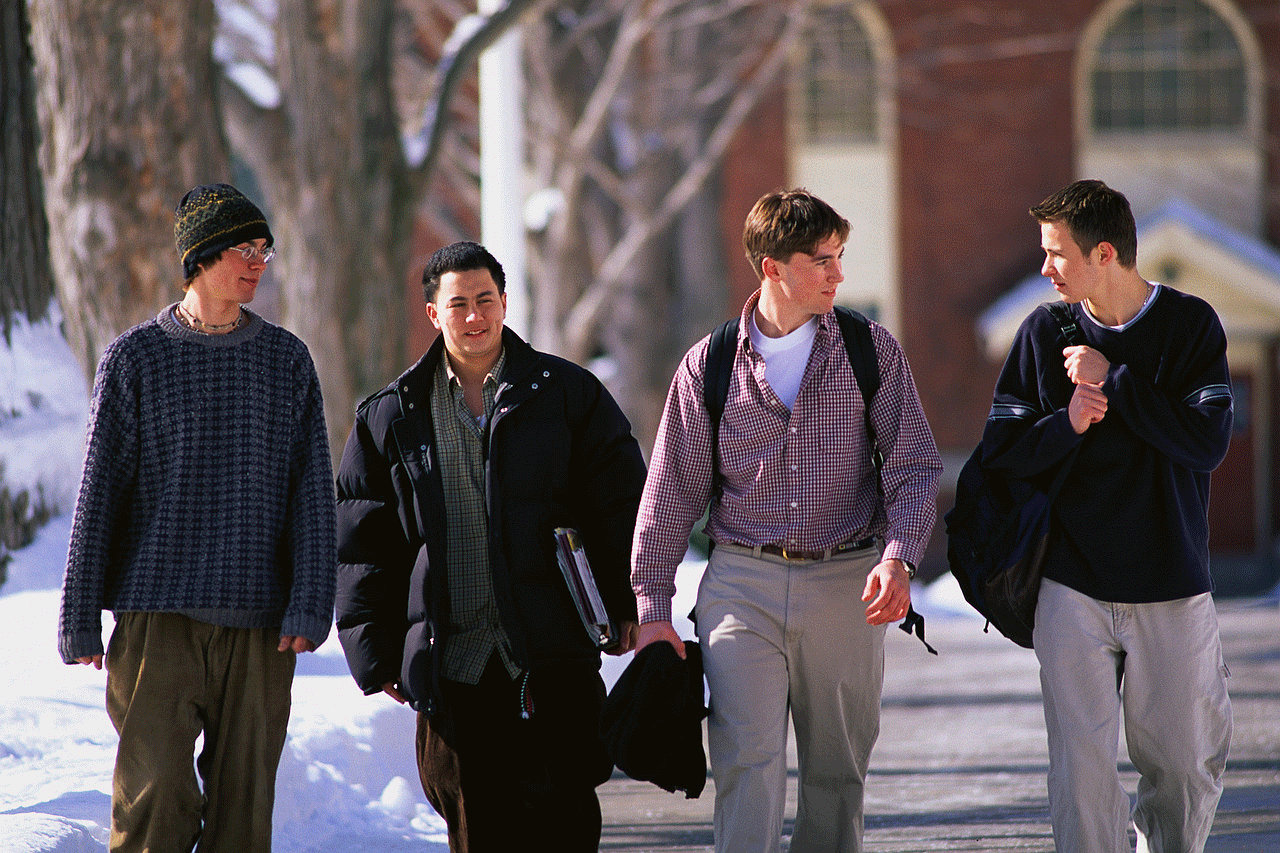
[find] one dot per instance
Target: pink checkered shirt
(801, 478)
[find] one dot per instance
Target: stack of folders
(582, 588)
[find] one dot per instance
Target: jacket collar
(414, 385)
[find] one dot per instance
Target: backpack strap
(1061, 312)
(856, 331)
(1072, 335)
(715, 391)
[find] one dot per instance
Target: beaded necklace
(195, 324)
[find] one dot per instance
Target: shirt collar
(494, 375)
(827, 323)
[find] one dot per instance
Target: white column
(502, 167)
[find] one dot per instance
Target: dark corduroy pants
(170, 679)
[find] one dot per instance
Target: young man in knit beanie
(205, 522)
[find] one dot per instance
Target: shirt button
(411, 405)
(793, 429)
(535, 386)
(793, 467)
(546, 374)
(794, 504)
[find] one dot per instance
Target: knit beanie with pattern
(214, 217)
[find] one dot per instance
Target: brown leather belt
(787, 553)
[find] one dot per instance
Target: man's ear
(432, 315)
(769, 268)
(1106, 252)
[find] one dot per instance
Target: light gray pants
(781, 637)
(1162, 664)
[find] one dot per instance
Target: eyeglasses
(250, 253)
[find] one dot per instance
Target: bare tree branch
(453, 65)
(586, 314)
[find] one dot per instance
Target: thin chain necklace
(195, 324)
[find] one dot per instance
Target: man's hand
(91, 660)
(654, 632)
(298, 644)
(392, 690)
(1085, 365)
(888, 590)
(1088, 406)
(628, 635)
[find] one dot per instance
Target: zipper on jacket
(526, 698)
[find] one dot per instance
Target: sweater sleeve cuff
(82, 644)
(314, 629)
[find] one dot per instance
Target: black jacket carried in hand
(652, 719)
(559, 453)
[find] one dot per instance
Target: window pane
(1166, 65)
(839, 79)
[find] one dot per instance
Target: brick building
(934, 126)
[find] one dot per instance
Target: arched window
(1171, 106)
(841, 142)
(1168, 65)
(838, 79)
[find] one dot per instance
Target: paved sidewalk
(961, 760)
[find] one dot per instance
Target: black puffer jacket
(559, 454)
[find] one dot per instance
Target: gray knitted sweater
(207, 487)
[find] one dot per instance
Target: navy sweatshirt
(1131, 521)
(207, 486)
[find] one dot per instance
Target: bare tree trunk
(26, 281)
(330, 162)
(128, 127)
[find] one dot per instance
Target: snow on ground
(347, 779)
(43, 406)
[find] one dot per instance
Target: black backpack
(856, 331)
(998, 531)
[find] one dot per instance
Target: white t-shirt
(785, 358)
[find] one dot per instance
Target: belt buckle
(786, 553)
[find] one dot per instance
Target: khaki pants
(781, 638)
(169, 679)
(1161, 665)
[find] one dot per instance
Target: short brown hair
(1093, 213)
(788, 221)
